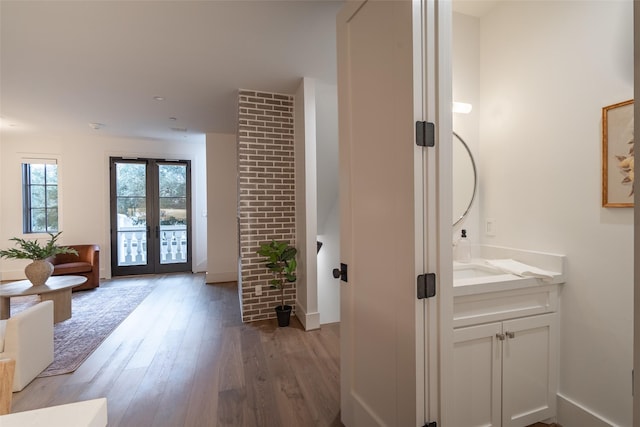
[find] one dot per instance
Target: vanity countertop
(478, 276)
(499, 281)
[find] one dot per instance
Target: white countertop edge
(553, 263)
(503, 282)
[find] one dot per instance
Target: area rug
(95, 314)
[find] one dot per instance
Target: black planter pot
(284, 315)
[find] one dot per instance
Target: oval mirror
(465, 179)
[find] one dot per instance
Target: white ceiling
(65, 64)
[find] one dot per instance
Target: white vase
(38, 272)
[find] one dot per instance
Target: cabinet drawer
(502, 305)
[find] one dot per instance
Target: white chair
(27, 338)
(89, 413)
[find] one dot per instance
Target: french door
(150, 216)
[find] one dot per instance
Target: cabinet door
(477, 376)
(529, 370)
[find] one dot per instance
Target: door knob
(341, 272)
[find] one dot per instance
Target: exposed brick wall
(266, 200)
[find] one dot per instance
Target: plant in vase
(281, 261)
(40, 269)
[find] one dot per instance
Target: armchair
(27, 338)
(86, 263)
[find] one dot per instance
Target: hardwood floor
(184, 358)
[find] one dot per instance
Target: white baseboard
(310, 321)
(573, 414)
(230, 276)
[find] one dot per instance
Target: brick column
(266, 200)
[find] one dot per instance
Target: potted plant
(40, 269)
(281, 261)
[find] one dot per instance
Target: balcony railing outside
(132, 245)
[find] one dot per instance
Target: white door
(529, 370)
(477, 378)
(381, 201)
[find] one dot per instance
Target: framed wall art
(617, 155)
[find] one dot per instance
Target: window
(40, 196)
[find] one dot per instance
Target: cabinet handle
(511, 334)
(500, 337)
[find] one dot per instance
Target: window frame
(27, 208)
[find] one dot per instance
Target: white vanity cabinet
(505, 357)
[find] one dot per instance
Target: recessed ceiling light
(159, 98)
(179, 129)
(172, 119)
(96, 126)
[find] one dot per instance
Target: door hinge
(425, 134)
(426, 285)
(431, 424)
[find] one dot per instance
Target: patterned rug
(95, 314)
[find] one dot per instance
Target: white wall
(222, 196)
(83, 170)
(466, 88)
(306, 204)
(326, 149)
(546, 71)
(328, 201)
(328, 259)
(317, 214)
